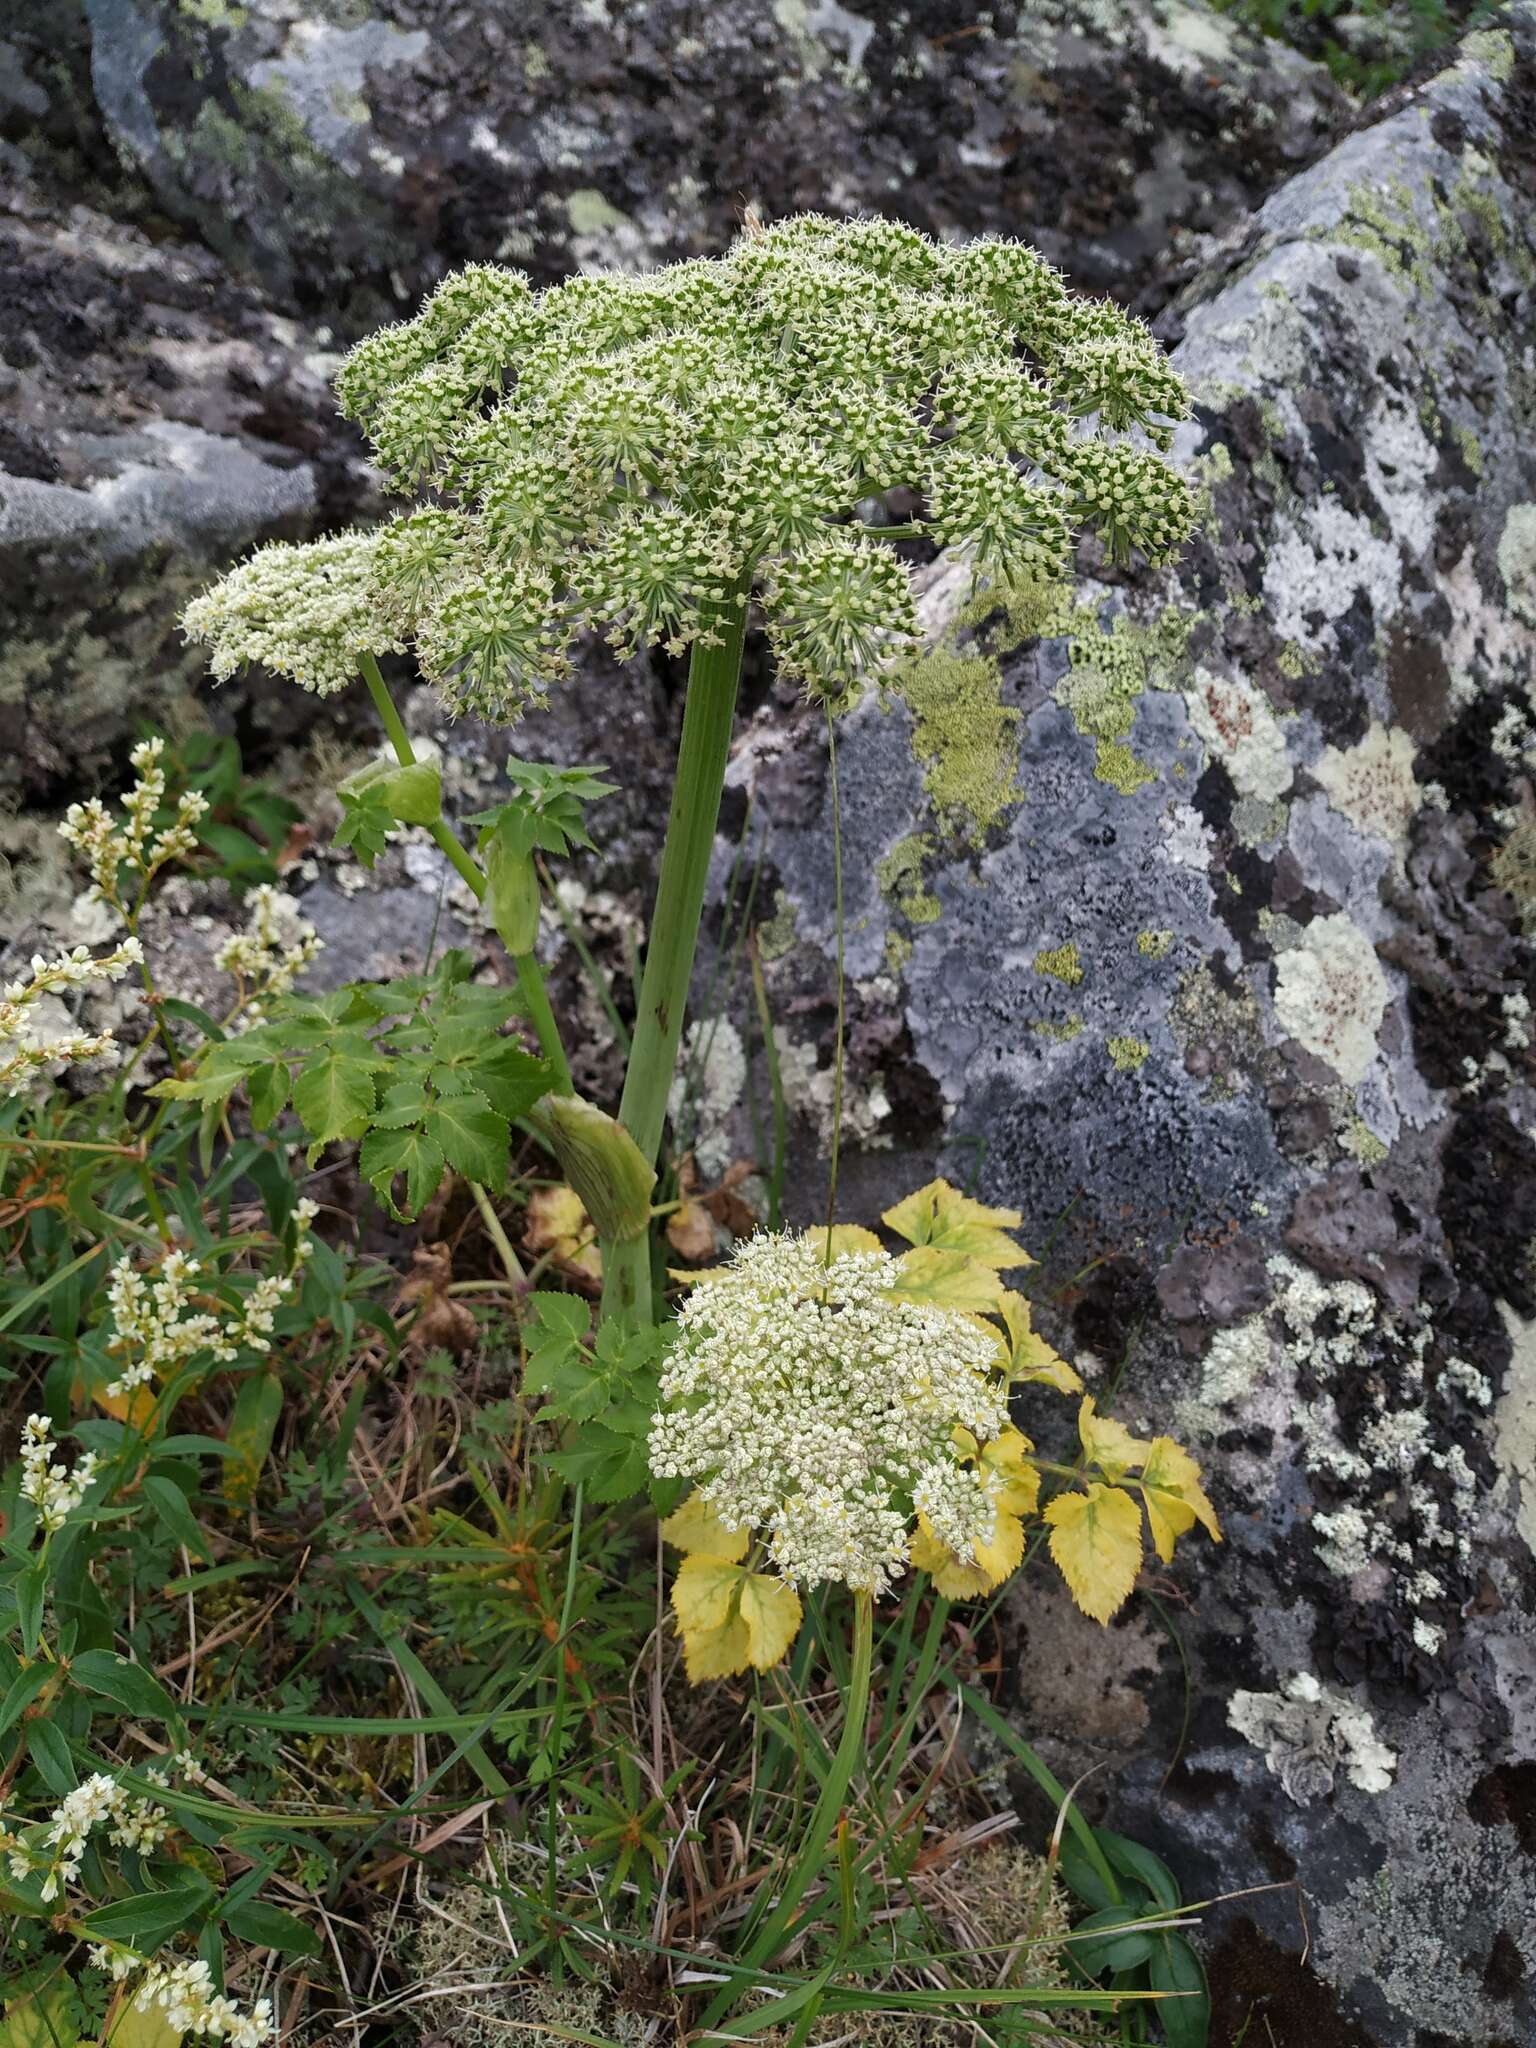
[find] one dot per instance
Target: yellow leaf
(957, 1580)
(135, 2029)
(690, 1276)
(558, 1223)
(1096, 1542)
(40, 2019)
(1029, 1356)
(1003, 1553)
(716, 1652)
(1107, 1443)
(941, 1216)
(946, 1280)
(770, 1609)
(704, 1592)
(1175, 1499)
(696, 1529)
(847, 1237)
(1008, 1456)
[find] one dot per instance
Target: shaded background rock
(1188, 913)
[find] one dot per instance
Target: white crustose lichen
(631, 454)
(818, 1409)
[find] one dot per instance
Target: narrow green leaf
(170, 1506)
(127, 1685)
(270, 1927)
(148, 1918)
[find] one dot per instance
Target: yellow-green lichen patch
(1359, 1139)
(1471, 449)
(1121, 769)
(777, 934)
(964, 737)
(1154, 945)
(1127, 1054)
(1062, 1033)
(900, 876)
(1109, 671)
(1061, 963)
(1514, 867)
(1380, 220)
(1295, 661)
(1491, 50)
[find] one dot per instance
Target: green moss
(1154, 945)
(1061, 963)
(964, 737)
(1471, 449)
(1127, 1054)
(777, 935)
(900, 876)
(1059, 1034)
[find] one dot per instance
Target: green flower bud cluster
(636, 454)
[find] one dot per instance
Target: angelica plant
(668, 460)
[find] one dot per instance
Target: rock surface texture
(1190, 912)
(1197, 921)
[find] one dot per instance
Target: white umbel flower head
(814, 1406)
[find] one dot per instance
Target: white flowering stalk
(184, 1992)
(30, 1040)
(816, 1408)
(109, 845)
(157, 1327)
(278, 943)
(627, 453)
(57, 1848)
(52, 1488)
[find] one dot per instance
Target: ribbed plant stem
(713, 675)
(530, 978)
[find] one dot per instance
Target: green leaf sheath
(714, 673)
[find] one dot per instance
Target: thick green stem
(769, 1938)
(530, 978)
(713, 674)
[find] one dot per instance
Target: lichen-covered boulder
(155, 419)
(1191, 914)
(350, 155)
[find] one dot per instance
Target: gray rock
(155, 419)
(349, 155)
(1191, 917)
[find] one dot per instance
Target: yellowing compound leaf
(1107, 1443)
(698, 1531)
(1170, 1483)
(770, 1608)
(947, 1280)
(716, 1652)
(1096, 1542)
(1007, 1455)
(1029, 1356)
(704, 1592)
(941, 1216)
